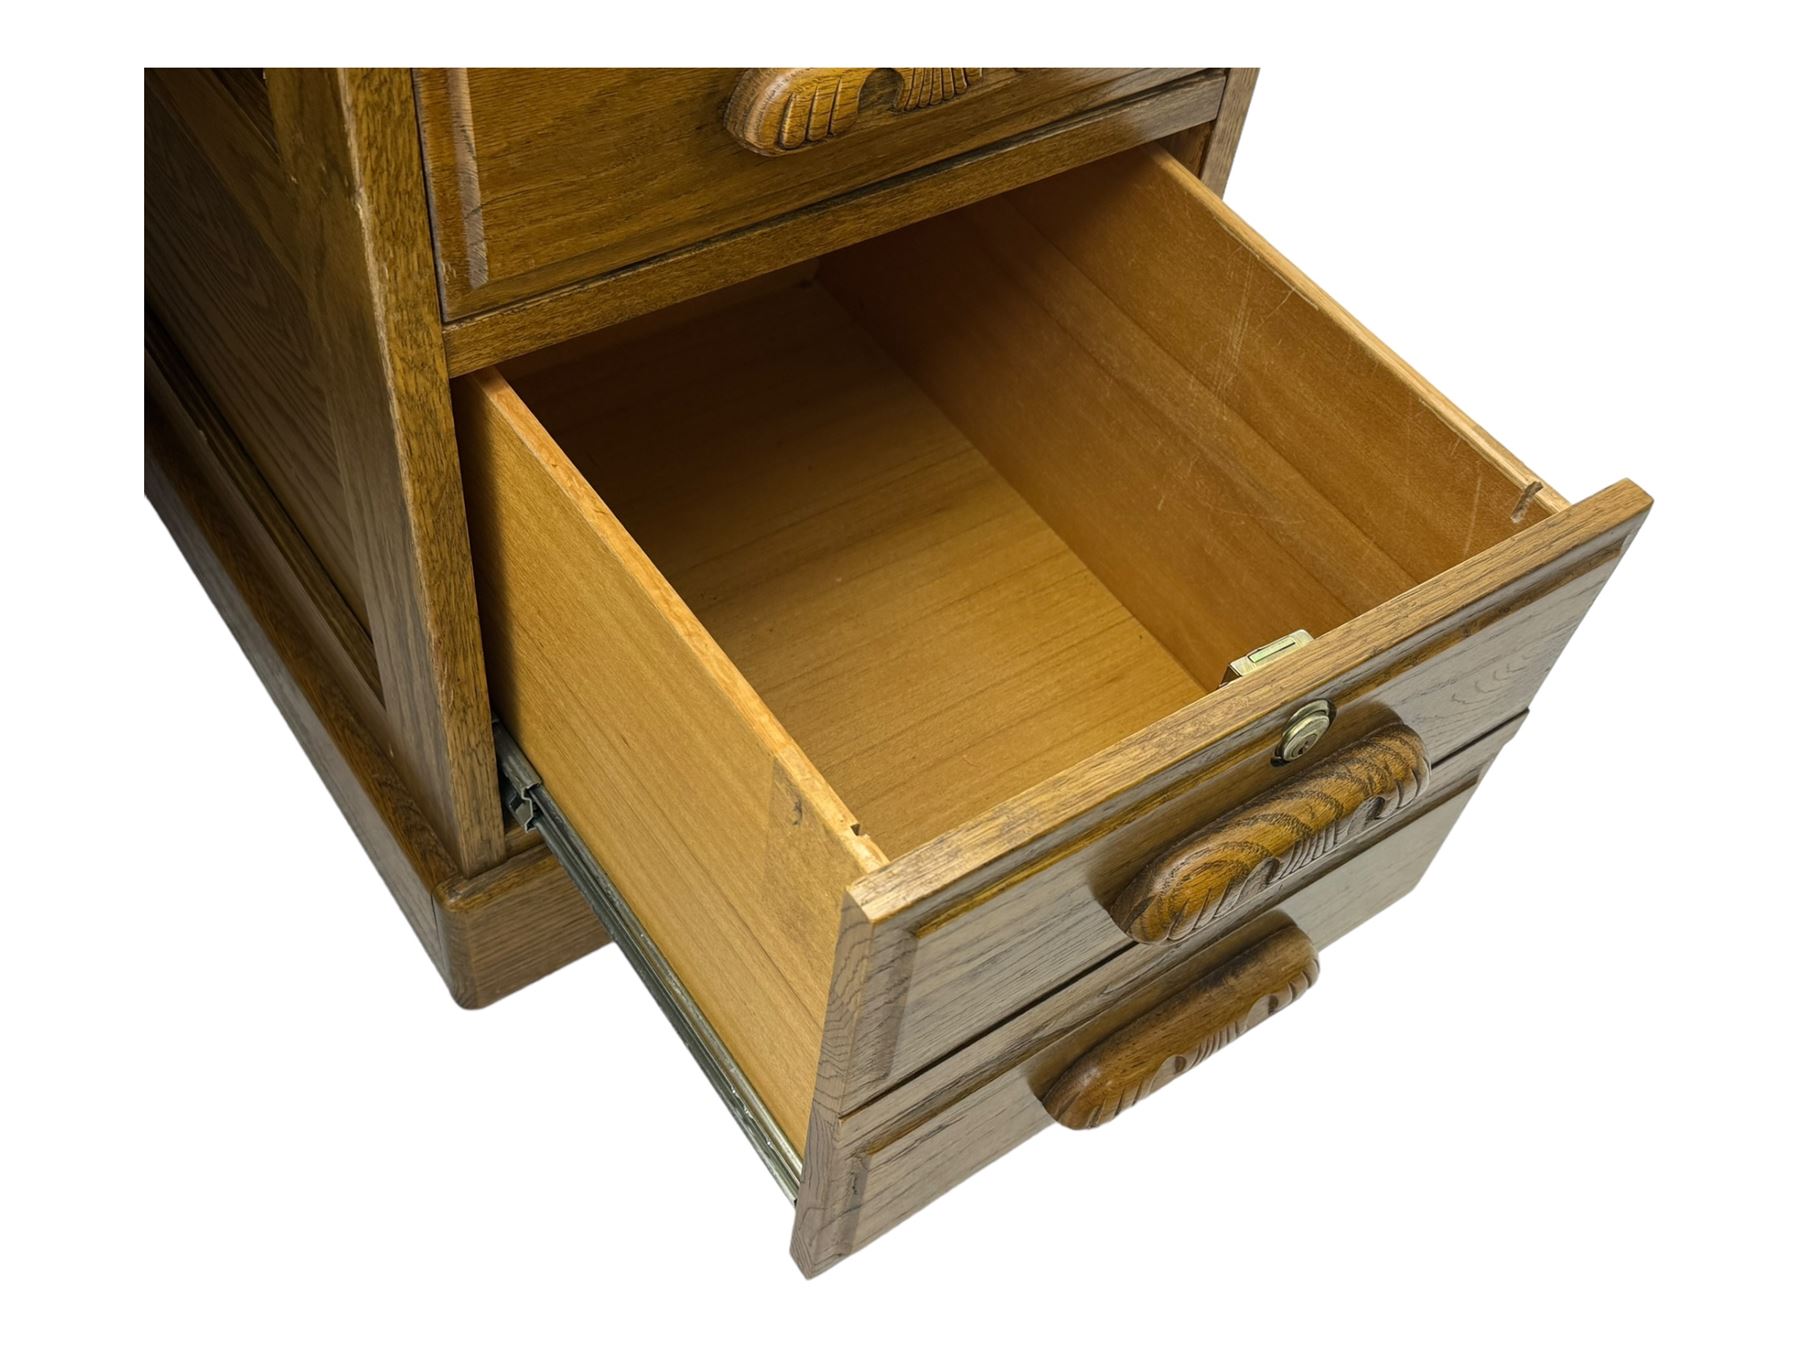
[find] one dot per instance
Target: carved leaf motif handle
(1223, 867)
(778, 112)
(1164, 1043)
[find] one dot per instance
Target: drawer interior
(944, 514)
(926, 637)
(970, 502)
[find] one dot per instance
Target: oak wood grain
(1157, 1047)
(541, 178)
(784, 111)
(230, 122)
(1227, 864)
(1289, 360)
(215, 452)
(1222, 143)
(349, 142)
(1126, 352)
(1214, 539)
(872, 1167)
(1004, 908)
(579, 307)
(514, 924)
(729, 843)
(760, 506)
(918, 630)
(241, 322)
(487, 935)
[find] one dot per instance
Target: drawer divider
(532, 806)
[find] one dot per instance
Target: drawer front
(1296, 402)
(541, 178)
(887, 1160)
(782, 653)
(954, 936)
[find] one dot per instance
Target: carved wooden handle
(777, 112)
(1223, 867)
(1164, 1043)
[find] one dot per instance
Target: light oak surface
(688, 791)
(878, 530)
(1232, 454)
(925, 638)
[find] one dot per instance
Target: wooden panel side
(733, 850)
(349, 141)
(240, 320)
(358, 773)
(1016, 895)
(488, 935)
(868, 1170)
(499, 334)
(215, 452)
(234, 131)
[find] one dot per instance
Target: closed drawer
(542, 178)
(868, 623)
(891, 1157)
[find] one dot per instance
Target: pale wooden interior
(969, 503)
(924, 636)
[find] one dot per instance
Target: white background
(1547, 1099)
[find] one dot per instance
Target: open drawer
(867, 623)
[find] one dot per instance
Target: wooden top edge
(719, 667)
(910, 887)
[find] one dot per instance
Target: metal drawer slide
(532, 806)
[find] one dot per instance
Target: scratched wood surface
(1184, 406)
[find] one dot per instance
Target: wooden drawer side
(704, 813)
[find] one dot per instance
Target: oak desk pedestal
(804, 516)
